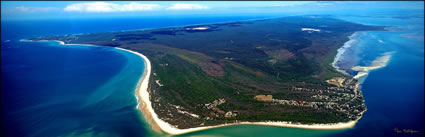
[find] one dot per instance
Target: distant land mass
(264, 70)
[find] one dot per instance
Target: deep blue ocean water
(394, 94)
(50, 89)
(54, 90)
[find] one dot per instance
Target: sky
(15, 10)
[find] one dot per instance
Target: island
(275, 71)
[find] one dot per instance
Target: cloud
(187, 7)
(22, 9)
(286, 4)
(32, 9)
(323, 4)
(282, 5)
(109, 7)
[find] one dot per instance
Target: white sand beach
(145, 106)
(360, 74)
(158, 125)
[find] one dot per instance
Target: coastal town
(221, 78)
(342, 90)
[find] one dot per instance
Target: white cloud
(33, 9)
(109, 7)
(187, 7)
(22, 9)
(323, 4)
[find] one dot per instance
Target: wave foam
(341, 51)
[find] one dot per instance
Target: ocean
(50, 89)
(394, 93)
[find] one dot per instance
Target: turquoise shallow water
(50, 89)
(394, 94)
(54, 90)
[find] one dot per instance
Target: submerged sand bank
(342, 50)
(378, 63)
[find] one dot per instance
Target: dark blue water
(394, 94)
(54, 90)
(50, 89)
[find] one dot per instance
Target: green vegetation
(215, 73)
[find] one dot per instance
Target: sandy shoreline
(158, 125)
(341, 51)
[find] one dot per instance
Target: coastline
(174, 26)
(378, 63)
(342, 50)
(196, 24)
(158, 125)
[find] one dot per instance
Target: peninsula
(270, 72)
